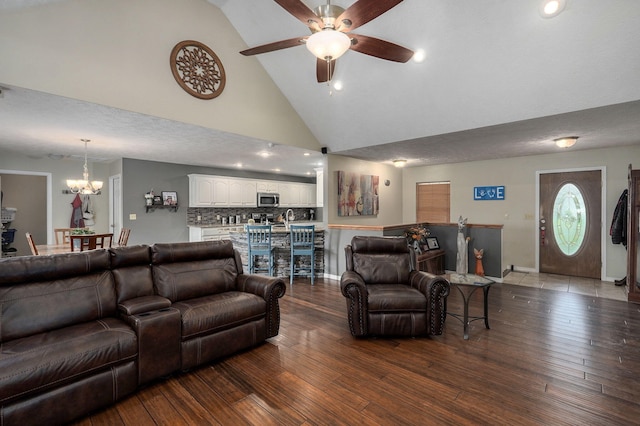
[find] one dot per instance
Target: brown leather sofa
(385, 295)
(80, 331)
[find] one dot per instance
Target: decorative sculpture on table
(479, 267)
(462, 258)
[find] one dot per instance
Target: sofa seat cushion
(41, 361)
(395, 298)
(210, 314)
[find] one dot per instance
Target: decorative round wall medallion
(197, 69)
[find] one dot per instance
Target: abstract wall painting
(357, 194)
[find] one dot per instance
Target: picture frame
(157, 200)
(169, 198)
(432, 243)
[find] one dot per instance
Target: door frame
(48, 176)
(112, 194)
(603, 198)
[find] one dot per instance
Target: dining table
(87, 241)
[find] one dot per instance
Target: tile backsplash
(213, 216)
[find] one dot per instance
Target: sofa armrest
(158, 327)
(270, 289)
(436, 289)
(143, 304)
(354, 289)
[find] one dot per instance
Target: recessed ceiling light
(276, 170)
(239, 165)
(337, 85)
(551, 8)
(264, 154)
(306, 154)
(308, 173)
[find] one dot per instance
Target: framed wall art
(357, 194)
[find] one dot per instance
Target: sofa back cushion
(42, 293)
(131, 267)
(184, 271)
(380, 260)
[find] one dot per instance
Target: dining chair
(259, 244)
(302, 242)
(32, 244)
(124, 237)
(63, 234)
(103, 240)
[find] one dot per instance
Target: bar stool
(302, 244)
(259, 244)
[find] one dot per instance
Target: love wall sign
(488, 192)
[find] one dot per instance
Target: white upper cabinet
(222, 191)
(269, 186)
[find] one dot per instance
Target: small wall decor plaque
(488, 192)
(197, 69)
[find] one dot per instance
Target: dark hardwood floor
(550, 358)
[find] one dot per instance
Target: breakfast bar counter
(282, 253)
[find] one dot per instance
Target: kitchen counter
(282, 255)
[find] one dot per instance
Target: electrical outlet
(199, 218)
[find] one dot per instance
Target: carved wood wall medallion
(197, 69)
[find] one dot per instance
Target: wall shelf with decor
(166, 200)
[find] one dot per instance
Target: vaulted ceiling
(498, 80)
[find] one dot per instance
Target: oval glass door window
(569, 219)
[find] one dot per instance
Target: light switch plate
(132, 216)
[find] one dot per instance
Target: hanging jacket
(618, 230)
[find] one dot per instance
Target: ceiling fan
(331, 34)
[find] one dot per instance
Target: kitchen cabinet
(242, 193)
(200, 191)
(221, 191)
(267, 186)
(297, 194)
(197, 233)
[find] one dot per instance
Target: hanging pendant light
(84, 186)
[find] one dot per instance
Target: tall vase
(462, 258)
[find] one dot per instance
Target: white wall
(116, 53)
(390, 197)
(518, 211)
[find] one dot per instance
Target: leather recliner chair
(385, 295)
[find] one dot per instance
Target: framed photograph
(157, 200)
(169, 198)
(432, 243)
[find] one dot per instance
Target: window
(569, 219)
(432, 202)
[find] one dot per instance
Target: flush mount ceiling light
(84, 186)
(328, 44)
(399, 163)
(566, 142)
(551, 8)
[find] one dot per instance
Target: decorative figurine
(479, 267)
(462, 258)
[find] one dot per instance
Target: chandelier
(84, 186)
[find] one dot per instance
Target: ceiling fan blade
(277, 45)
(324, 71)
(379, 48)
(363, 11)
(300, 11)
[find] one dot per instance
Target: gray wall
(28, 194)
(163, 225)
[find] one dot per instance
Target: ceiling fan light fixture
(551, 8)
(566, 142)
(328, 44)
(399, 163)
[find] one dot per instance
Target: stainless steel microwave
(268, 199)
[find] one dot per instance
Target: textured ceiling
(498, 81)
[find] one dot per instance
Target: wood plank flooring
(550, 357)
